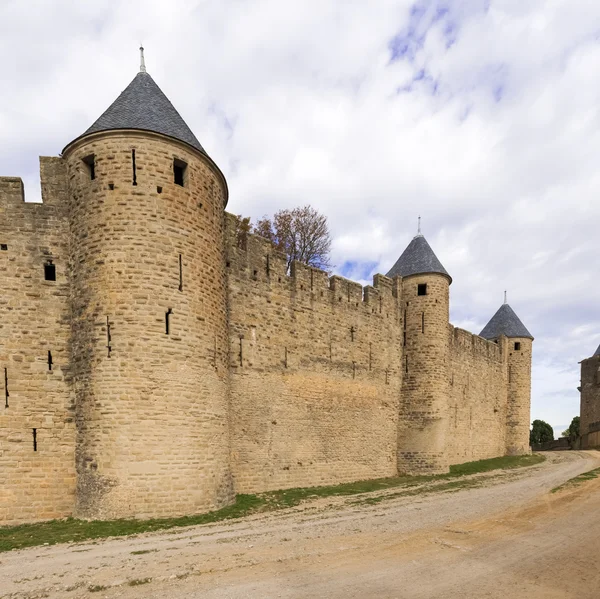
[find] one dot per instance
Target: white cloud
(487, 126)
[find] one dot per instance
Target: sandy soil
(507, 538)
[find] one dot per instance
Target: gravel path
(474, 542)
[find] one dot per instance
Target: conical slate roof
(143, 105)
(597, 353)
(418, 258)
(505, 322)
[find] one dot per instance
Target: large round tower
(425, 387)
(149, 332)
(518, 345)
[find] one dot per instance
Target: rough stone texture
(477, 410)
(590, 403)
(314, 372)
(152, 417)
(424, 396)
(35, 485)
(265, 380)
(519, 395)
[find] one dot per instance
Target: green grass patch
(71, 530)
(136, 582)
(578, 480)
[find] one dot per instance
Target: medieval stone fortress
(155, 361)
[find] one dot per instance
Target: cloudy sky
(482, 116)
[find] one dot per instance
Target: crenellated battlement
(467, 342)
(254, 259)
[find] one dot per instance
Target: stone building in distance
(589, 424)
(155, 361)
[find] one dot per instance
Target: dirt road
(508, 537)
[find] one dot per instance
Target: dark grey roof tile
(143, 105)
(505, 322)
(418, 258)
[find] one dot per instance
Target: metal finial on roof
(419, 226)
(142, 63)
(505, 298)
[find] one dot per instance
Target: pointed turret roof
(142, 105)
(505, 322)
(597, 352)
(418, 258)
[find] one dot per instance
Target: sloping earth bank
(506, 537)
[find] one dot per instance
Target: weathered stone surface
(589, 424)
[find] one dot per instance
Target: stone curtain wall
(152, 407)
(477, 404)
(590, 402)
(36, 482)
(315, 372)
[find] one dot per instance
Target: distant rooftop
(418, 258)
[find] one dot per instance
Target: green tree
(573, 431)
(541, 432)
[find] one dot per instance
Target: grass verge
(578, 480)
(71, 530)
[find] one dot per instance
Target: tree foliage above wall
(302, 234)
(541, 432)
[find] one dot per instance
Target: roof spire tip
(419, 234)
(505, 297)
(142, 62)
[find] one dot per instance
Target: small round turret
(424, 395)
(505, 323)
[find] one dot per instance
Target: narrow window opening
(168, 320)
(353, 370)
(111, 186)
(34, 439)
(241, 350)
(108, 338)
(6, 393)
(268, 266)
(286, 358)
(422, 322)
(422, 289)
(159, 189)
(49, 271)
(406, 363)
(517, 346)
(255, 273)
(3, 247)
(133, 167)
(179, 168)
(404, 335)
(352, 331)
(50, 362)
(370, 355)
(227, 264)
(90, 162)
(180, 272)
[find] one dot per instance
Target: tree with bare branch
(302, 234)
